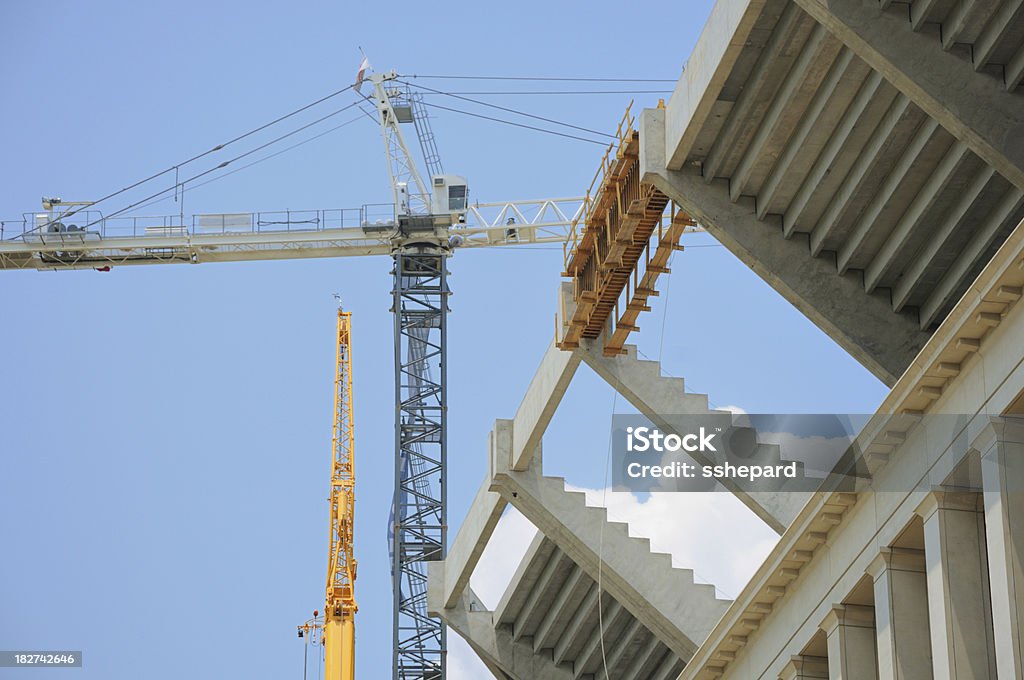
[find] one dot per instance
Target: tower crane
(336, 631)
(428, 220)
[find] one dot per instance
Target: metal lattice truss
(419, 515)
(232, 237)
(341, 570)
(394, 107)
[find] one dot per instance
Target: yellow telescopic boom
(339, 634)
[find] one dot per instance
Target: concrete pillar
(959, 609)
(805, 668)
(901, 615)
(850, 630)
(1001, 444)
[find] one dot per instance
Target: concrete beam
(483, 516)
(561, 609)
(542, 397)
(583, 615)
(502, 655)
(997, 28)
(724, 36)
(955, 23)
(957, 272)
(919, 11)
(861, 169)
(805, 75)
(756, 90)
(1013, 73)
(974, 108)
(645, 656)
(884, 342)
(936, 243)
(868, 220)
(808, 122)
(611, 612)
(914, 214)
(795, 216)
(624, 642)
(538, 599)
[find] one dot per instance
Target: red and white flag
(363, 65)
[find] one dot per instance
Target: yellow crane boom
(339, 635)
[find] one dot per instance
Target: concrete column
(959, 609)
(805, 668)
(850, 630)
(901, 615)
(1001, 444)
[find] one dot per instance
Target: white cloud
(502, 556)
(463, 663)
(491, 577)
(711, 533)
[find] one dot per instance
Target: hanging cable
(600, 541)
(557, 92)
(509, 122)
(515, 111)
(548, 78)
(216, 148)
(222, 165)
(258, 161)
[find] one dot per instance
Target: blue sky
(165, 431)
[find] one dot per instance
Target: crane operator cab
(450, 196)
(448, 202)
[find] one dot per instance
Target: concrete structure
(867, 160)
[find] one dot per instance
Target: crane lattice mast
(418, 531)
(340, 606)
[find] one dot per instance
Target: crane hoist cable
(218, 147)
(511, 110)
(509, 122)
(223, 164)
(546, 78)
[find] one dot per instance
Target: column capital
(969, 501)
(998, 429)
(855, 615)
(896, 559)
(800, 667)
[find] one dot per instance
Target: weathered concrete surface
(707, 68)
(864, 325)
(538, 406)
(977, 110)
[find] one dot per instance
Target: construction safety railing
(92, 224)
(578, 227)
(625, 243)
